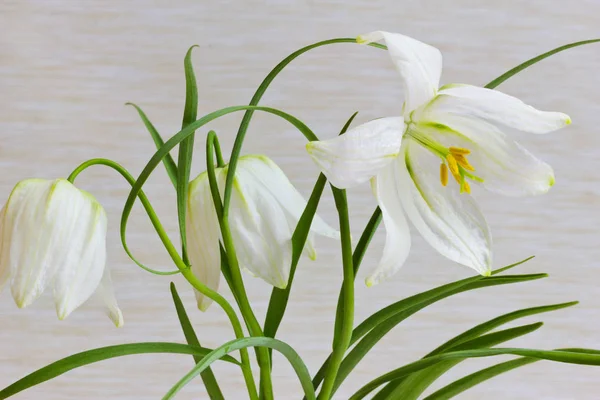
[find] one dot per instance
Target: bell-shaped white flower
(265, 208)
(456, 128)
(54, 235)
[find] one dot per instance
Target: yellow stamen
(459, 151)
(466, 187)
(463, 162)
(453, 166)
(444, 174)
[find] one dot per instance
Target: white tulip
(265, 208)
(456, 128)
(54, 235)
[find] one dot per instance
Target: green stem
(185, 271)
(344, 319)
(241, 297)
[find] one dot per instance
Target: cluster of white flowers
(53, 234)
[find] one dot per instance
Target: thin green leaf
(365, 239)
(469, 381)
(208, 377)
(168, 161)
(66, 364)
(279, 297)
(380, 323)
(570, 356)
(412, 386)
(505, 76)
(186, 148)
(237, 344)
(382, 315)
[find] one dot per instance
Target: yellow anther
(466, 186)
(459, 151)
(453, 166)
(463, 162)
(444, 174)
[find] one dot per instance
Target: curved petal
(419, 64)
(260, 231)
(449, 221)
(107, 295)
(85, 254)
(397, 240)
(359, 154)
(273, 180)
(496, 107)
(505, 166)
(202, 228)
(38, 241)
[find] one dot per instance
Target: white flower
(265, 208)
(456, 128)
(53, 234)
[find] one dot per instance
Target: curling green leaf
(237, 344)
(170, 165)
(66, 364)
(210, 382)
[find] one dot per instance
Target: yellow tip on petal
(567, 120)
(310, 146)
(551, 181)
(487, 273)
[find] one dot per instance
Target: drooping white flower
(53, 234)
(265, 208)
(456, 128)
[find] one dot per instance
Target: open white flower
(265, 208)
(53, 234)
(456, 128)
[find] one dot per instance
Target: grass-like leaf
(66, 364)
(237, 344)
(418, 382)
(208, 377)
(390, 316)
(168, 161)
(512, 72)
(186, 148)
(570, 356)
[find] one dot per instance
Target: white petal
(449, 221)
(202, 229)
(273, 180)
(397, 241)
(37, 241)
(419, 64)
(84, 256)
(260, 230)
(359, 154)
(505, 166)
(107, 295)
(496, 107)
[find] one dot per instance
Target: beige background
(67, 68)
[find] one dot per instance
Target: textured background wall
(67, 68)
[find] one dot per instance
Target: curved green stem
(241, 134)
(254, 328)
(184, 269)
